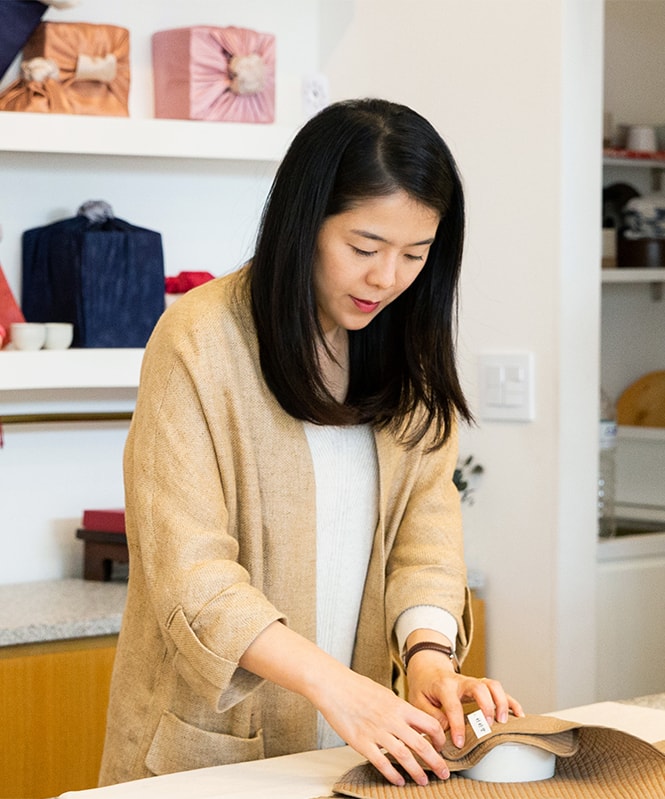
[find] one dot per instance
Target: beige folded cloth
(592, 763)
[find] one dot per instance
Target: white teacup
(59, 335)
(27, 335)
(642, 139)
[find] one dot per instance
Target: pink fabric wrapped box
(216, 74)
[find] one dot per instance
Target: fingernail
(422, 780)
(459, 741)
(443, 774)
(400, 782)
(503, 717)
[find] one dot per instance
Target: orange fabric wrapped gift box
(89, 71)
(215, 74)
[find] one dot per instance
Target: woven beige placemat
(600, 763)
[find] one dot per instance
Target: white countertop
(312, 774)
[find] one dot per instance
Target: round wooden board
(643, 403)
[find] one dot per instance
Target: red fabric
(186, 281)
(106, 521)
(9, 309)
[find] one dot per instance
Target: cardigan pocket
(178, 746)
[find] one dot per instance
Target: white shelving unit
(69, 369)
(68, 385)
(633, 332)
(636, 275)
(201, 184)
(144, 138)
(113, 138)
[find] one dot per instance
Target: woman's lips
(365, 305)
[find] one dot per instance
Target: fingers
(414, 754)
(515, 707)
(388, 731)
(491, 699)
(494, 702)
(444, 699)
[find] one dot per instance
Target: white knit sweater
(347, 480)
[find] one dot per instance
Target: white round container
(513, 762)
(642, 138)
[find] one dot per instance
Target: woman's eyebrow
(375, 237)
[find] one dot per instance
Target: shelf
(167, 138)
(633, 433)
(642, 160)
(631, 275)
(641, 545)
(45, 370)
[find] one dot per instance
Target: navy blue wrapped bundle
(101, 273)
(18, 19)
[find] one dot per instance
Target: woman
(292, 521)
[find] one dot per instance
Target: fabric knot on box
(214, 74)
(95, 210)
(39, 69)
(39, 89)
(248, 74)
(96, 67)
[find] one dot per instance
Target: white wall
(515, 88)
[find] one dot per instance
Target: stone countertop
(654, 701)
(53, 610)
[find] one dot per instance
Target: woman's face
(367, 256)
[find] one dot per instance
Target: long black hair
(402, 366)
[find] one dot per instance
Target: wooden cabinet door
(475, 662)
(53, 698)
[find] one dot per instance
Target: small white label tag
(479, 723)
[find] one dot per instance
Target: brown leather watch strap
(435, 647)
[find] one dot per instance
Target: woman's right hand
(369, 717)
(380, 726)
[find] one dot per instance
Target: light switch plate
(506, 386)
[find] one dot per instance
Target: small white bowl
(513, 762)
(27, 335)
(59, 335)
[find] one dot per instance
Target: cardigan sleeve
(425, 562)
(178, 528)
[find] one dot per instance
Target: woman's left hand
(437, 689)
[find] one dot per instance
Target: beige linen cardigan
(220, 513)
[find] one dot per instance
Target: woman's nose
(382, 273)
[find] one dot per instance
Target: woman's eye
(364, 253)
(410, 257)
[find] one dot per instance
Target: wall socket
(315, 93)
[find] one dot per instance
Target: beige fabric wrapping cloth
(592, 763)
